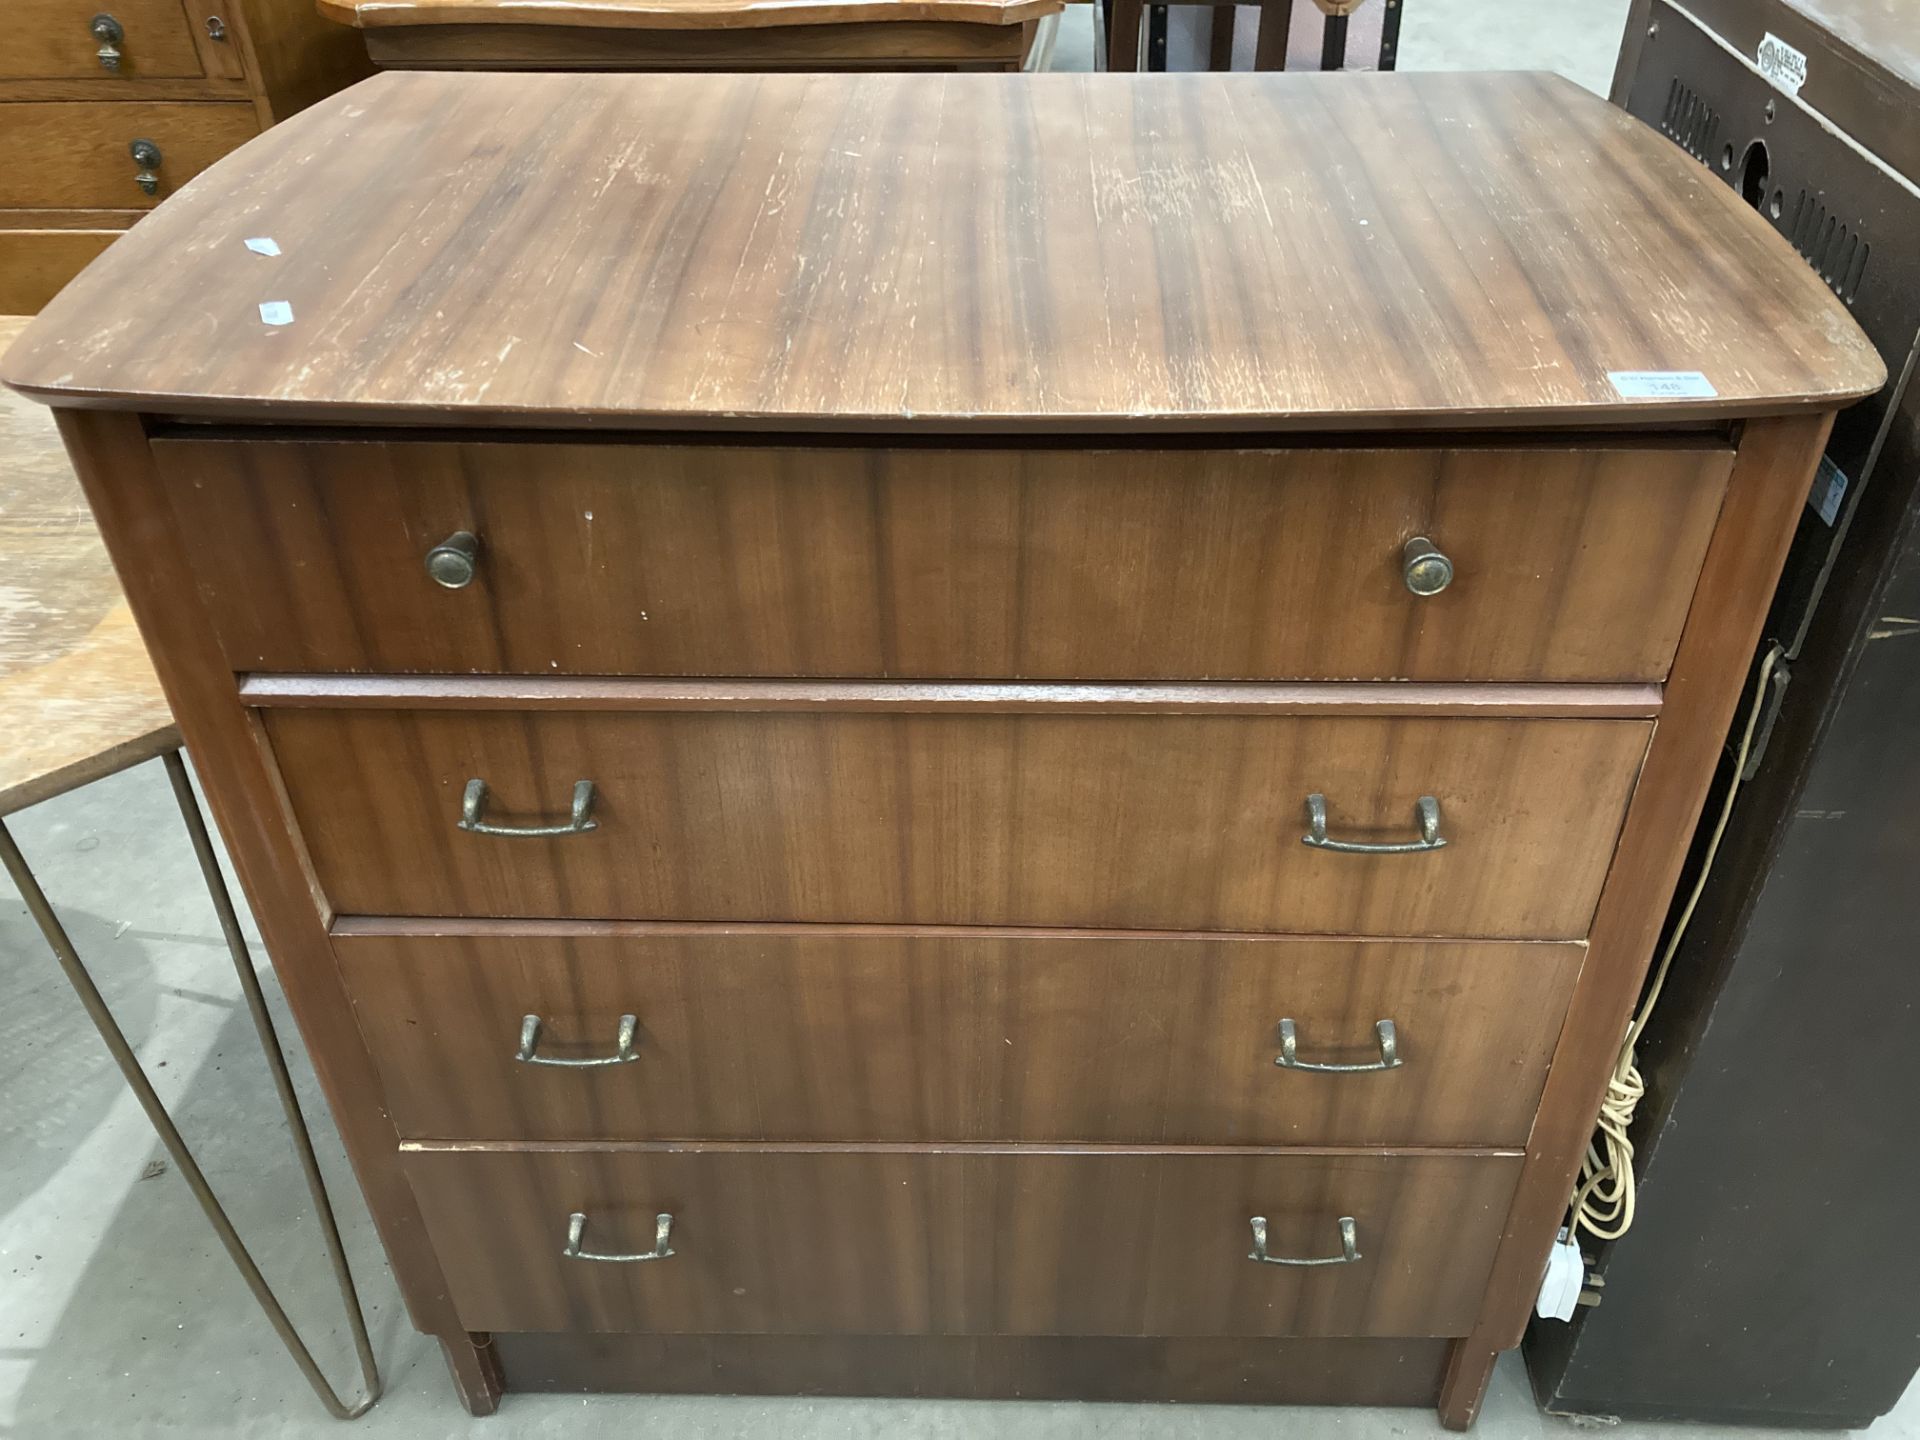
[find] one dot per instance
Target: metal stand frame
(170, 1137)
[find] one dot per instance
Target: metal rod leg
(58, 940)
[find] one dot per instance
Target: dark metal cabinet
(1767, 1276)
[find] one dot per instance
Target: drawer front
(859, 1035)
(35, 264)
(877, 1241)
(55, 40)
(602, 559)
(79, 155)
(1113, 821)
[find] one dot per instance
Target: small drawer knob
(1427, 571)
(455, 560)
(111, 36)
(147, 156)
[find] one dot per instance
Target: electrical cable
(1602, 1203)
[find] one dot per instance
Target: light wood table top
(955, 252)
(78, 697)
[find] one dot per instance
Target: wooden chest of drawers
(109, 106)
(1040, 760)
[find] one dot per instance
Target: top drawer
(634, 559)
(113, 39)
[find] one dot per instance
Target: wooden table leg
(1276, 26)
(1123, 40)
(475, 1367)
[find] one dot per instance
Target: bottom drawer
(898, 1240)
(36, 264)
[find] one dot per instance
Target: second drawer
(810, 1035)
(1117, 821)
(80, 155)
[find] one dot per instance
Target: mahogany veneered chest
(966, 735)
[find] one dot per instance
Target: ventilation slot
(1690, 121)
(1839, 254)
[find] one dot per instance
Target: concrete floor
(120, 1316)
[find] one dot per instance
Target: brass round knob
(111, 36)
(455, 560)
(1426, 570)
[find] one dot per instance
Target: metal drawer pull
(111, 36)
(577, 1231)
(1427, 808)
(455, 560)
(146, 155)
(1289, 1058)
(622, 1046)
(1425, 569)
(473, 814)
(1349, 1246)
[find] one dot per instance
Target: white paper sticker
(276, 312)
(1785, 66)
(264, 245)
(1829, 489)
(1560, 1286)
(1662, 385)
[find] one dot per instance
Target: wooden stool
(695, 34)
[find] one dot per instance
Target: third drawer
(806, 1034)
(1116, 821)
(907, 1240)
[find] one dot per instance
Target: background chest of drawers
(990, 768)
(109, 106)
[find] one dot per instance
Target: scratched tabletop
(78, 697)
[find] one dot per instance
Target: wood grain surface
(53, 39)
(78, 696)
(34, 264)
(676, 14)
(1266, 252)
(1114, 821)
(871, 1240)
(794, 1034)
(1765, 497)
(1211, 1370)
(77, 155)
(1569, 565)
(827, 45)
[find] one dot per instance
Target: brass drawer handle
(577, 1232)
(147, 156)
(1425, 569)
(1289, 1058)
(1349, 1246)
(623, 1050)
(455, 560)
(473, 814)
(1427, 809)
(112, 36)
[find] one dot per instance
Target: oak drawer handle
(577, 1234)
(623, 1050)
(473, 814)
(1289, 1058)
(111, 35)
(1349, 1246)
(1427, 810)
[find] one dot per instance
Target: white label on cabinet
(1785, 66)
(1662, 385)
(1829, 489)
(276, 312)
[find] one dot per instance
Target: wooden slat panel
(945, 1036)
(1570, 565)
(869, 1241)
(1138, 822)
